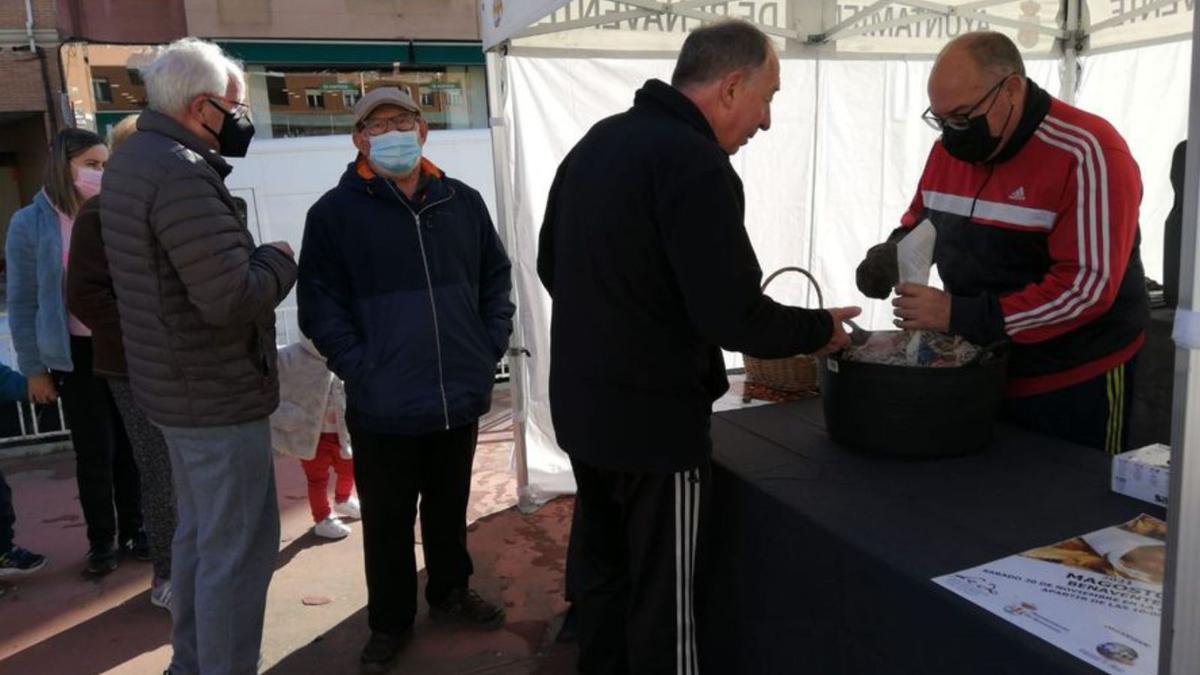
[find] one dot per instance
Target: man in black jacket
(646, 257)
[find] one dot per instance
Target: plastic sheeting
(1121, 23)
(500, 20)
(1150, 111)
(867, 28)
(830, 178)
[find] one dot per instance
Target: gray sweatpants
(225, 546)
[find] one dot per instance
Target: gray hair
(995, 53)
(715, 50)
(186, 69)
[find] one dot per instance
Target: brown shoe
(464, 605)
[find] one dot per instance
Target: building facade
(307, 61)
(77, 63)
(31, 102)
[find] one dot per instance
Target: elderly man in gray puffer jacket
(196, 299)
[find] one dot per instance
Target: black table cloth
(819, 560)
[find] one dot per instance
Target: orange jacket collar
(428, 168)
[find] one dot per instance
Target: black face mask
(236, 132)
(975, 144)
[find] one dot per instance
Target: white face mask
(87, 182)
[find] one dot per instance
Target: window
(318, 101)
(277, 92)
(102, 90)
(135, 77)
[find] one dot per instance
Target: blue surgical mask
(396, 152)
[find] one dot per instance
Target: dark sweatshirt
(645, 254)
(90, 294)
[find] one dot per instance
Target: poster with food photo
(1097, 596)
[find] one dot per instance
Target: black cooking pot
(914, 411)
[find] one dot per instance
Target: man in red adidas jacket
(1036, 208)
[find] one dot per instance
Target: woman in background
(54, 349)
(90, 297)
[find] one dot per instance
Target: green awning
(373, 54)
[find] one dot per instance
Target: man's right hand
(879, 272)
(285, 247)
(840, 338)
(42, 390)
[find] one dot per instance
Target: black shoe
(570, 627)
(464, 605)
(138, 546)
(101, 560)
(381, 650)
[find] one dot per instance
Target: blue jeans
(225, 545)
(7, 516)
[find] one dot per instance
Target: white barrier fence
(32, 424)
(37, 424)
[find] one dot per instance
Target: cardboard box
(1144, 473)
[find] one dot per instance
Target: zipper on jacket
(437, 332)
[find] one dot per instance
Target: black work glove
(879, 272)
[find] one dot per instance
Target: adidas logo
(1018, 195)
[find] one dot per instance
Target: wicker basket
(791, 374)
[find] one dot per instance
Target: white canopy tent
(840, 162)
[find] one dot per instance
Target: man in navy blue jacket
(404, 288)
(14, 560)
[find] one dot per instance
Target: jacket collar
(1037, 104)
(42, 202)
(159, 123)
(660, 97)
(432, 186)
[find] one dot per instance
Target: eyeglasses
(236, 108)
(379, 126)
(960, 122)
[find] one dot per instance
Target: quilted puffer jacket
(195, 295)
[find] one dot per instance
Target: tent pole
(497, 87)
(811, 264)
(1071, 42)
(1180, 635)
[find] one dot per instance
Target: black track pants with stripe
(636, 538)
(1094, 413)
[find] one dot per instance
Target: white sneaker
(331, 528)
(160, 593)
(348, 509)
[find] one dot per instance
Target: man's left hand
(922, 308)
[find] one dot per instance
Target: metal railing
(32, 425)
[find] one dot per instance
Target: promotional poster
(1097, 596)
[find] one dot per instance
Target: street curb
(35, 450)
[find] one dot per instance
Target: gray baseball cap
(383, 96)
